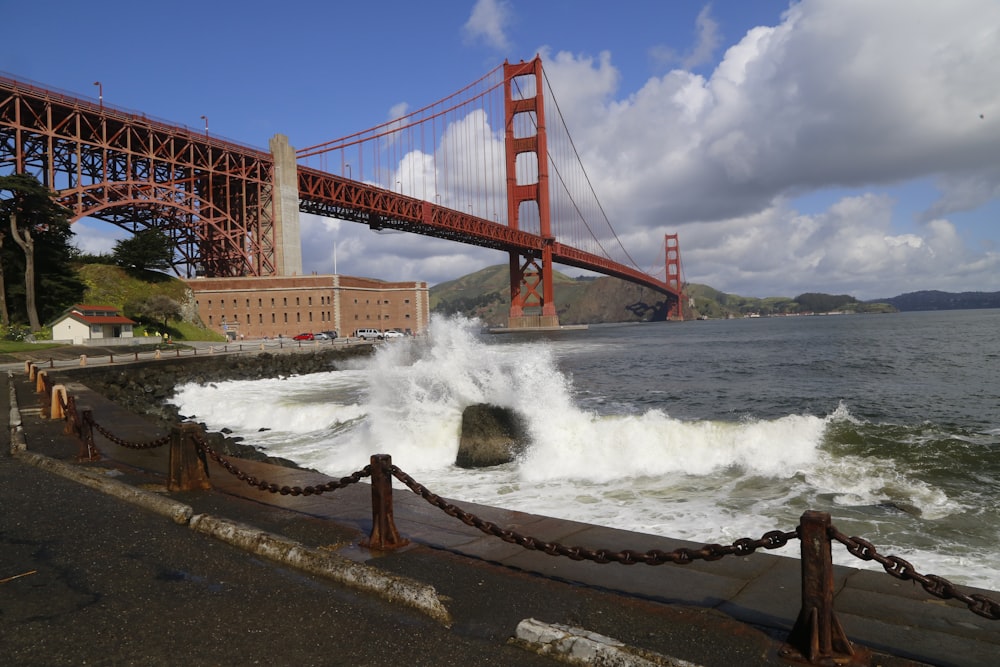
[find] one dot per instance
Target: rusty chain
(152, 444)
(709, 552)
(856, 546)
(264, 485)
(933, 584)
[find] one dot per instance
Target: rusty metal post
(88, 450)
(384, 536)
(72, 418)
(187, 469)
(56, 404)
(817, 637)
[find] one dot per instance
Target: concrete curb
(414, 594)
(17, 443)
(576, 646)
(328, 564)
(177, 512)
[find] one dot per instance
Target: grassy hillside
(109, 285)
(113, 286)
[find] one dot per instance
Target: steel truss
(212, 198)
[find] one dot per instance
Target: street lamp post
(350, 175)
(100, 94)
(205, 118)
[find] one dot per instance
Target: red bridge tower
(532, 300)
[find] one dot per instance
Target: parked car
(369, 334)
(321, 336)
(332, 335)
(392, 333)
(304, 336)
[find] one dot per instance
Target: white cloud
(706, 42)
(854, 97)
(94, 237)
(708, 39)
(488, 22)
(852, 94)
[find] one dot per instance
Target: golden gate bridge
(491, 165)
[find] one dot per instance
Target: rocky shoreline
(145, 387)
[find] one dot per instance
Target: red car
(304, 336)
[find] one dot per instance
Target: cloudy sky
(848, 146)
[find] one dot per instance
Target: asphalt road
(105, 583)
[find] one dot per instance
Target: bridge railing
(8, 80)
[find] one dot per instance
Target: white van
(369, 334)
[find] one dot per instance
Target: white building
(82, 323)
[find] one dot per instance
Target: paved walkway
(737, 610)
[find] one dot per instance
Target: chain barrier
(710, 552)
(933, 584)
(152, 444)
(860, 548)
(264, 485)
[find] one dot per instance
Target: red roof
(101, 315)
(101, 319)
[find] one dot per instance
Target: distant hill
(485, 295)
(935, 300)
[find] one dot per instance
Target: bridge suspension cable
(591, 193)
(453, 154)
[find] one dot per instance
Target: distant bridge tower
(672, 256)
(532, 300)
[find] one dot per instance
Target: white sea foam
(705, 481)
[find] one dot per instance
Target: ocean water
(708, 431)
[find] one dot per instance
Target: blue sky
(843, 147)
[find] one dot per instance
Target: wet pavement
(92, 579)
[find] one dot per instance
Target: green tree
(40, 228)
(818, 302)
(159, 308)
(146, 249)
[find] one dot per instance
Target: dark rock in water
(900, 508)
(491, 435)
